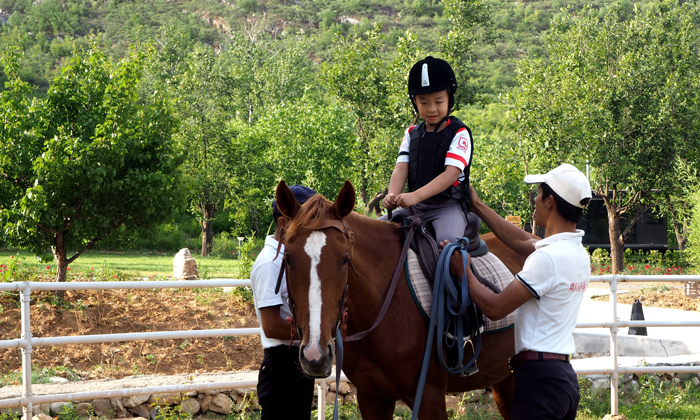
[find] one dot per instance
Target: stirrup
(474, 368)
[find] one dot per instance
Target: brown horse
(328, 246)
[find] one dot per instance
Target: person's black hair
(568, 211)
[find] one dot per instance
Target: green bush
(600, 256)
(248, 252)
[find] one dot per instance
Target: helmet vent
(424, 80)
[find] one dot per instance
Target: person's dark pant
(284, 392)
(545, 390)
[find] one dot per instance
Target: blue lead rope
(446, 295)
(338, 367)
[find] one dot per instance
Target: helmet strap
(438, 124)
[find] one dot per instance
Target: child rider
(435, 155)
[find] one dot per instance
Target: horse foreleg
(374, 407)
(503, 396)
(432, 405)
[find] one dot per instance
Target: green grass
(141, 264)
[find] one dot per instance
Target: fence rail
(615, 370)
(26, 342)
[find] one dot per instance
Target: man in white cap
(545, 295)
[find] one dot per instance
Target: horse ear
(345, 202)
(286, 202)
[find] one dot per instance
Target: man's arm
(273, 325)
(495, 306)
(515, 238)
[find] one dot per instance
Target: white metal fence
(26, 342)
(615, 324)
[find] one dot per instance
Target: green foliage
(372, 88)
(497, 164)
(606, 94)
(15, 270)
(170, 412)
(94, 156)
(248, 252)
(600, 256)
(39, 376)
(653, 399)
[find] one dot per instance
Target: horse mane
(311, 216)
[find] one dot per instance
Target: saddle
(426, 248)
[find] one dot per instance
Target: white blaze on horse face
(313, 247)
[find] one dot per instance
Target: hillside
(49, 28)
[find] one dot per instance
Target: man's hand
(456, 266)
(389, 201)
(407, 200)
(474, 198)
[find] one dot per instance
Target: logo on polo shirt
(578, 287)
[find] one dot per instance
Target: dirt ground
(125, 311)
(661, 295)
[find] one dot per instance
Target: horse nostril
(330, 351)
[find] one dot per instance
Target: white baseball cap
(567, 181)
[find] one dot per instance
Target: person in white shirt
(284, 391)
(545, 295)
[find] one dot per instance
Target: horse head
(317, 255)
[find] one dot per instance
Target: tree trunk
(208, 211)
(680, 230)
(617, 242)
(59, 255)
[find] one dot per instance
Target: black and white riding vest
(426, 159)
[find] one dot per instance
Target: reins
(446, 296)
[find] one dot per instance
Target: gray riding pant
(448, 218)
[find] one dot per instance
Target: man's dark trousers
(284, 392)
(545, 390)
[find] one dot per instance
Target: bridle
(341, 321)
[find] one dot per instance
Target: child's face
(433, 107)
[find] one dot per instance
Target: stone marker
(185, 266)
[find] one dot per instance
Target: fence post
(26, 352)
(614, 377)
(321, 388)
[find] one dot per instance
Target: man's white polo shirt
(557, 275)
(263, 278)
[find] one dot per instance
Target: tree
(302, 142)
(202, 88)
(466, 18)
(373, 90)
(497, 167)
(91, 158)
(619, 94)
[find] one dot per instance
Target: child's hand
(389, 201)
(407, 200)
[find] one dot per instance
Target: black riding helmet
(432, 75)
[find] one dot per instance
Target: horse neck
(375, 256)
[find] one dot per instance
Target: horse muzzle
(316, 362)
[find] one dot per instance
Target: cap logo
(424, 79)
